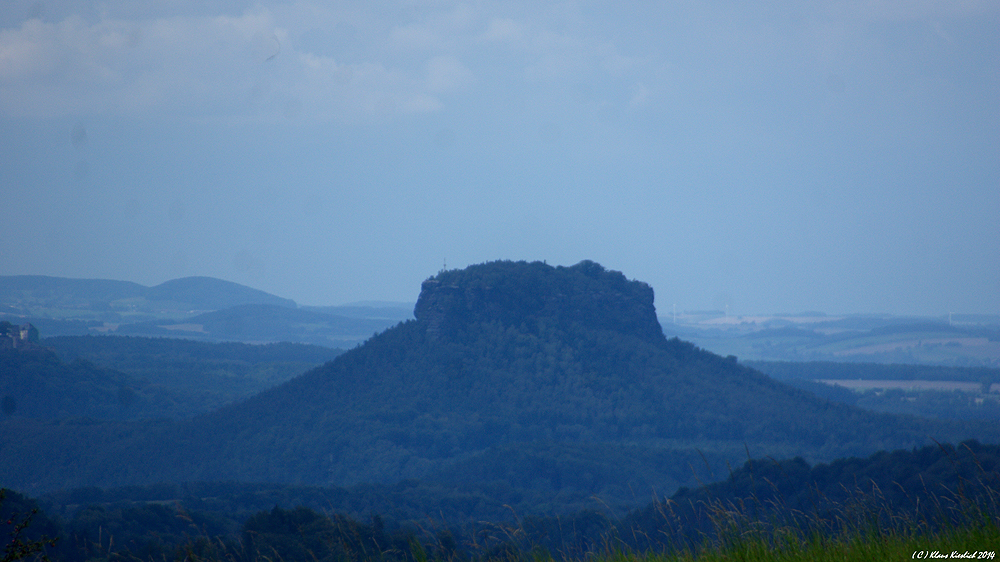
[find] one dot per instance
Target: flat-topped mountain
(563, 368)
(585, 296)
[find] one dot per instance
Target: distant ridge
(39, 289)
(208, 293)
(32, 292)
(199, 308)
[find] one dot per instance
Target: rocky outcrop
(523, 294)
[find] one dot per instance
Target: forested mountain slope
(130, 378)
(565, 368)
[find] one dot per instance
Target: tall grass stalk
(965, 521)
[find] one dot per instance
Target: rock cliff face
(524, 294)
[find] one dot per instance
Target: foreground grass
(974, 544)
(979, 542)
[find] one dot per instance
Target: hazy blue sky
(774, 156)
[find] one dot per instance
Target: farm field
(862, 385)
(871, 339)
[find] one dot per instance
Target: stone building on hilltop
(13, 336)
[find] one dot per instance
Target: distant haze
(760, 157)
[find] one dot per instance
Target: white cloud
(191, 64)
(356, 92)
(443, 29)
(197, 66)
(28, 51)
(258, 63)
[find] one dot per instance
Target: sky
(769, 157)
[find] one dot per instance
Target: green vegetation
(24, 540)
(940, 498)
(210, 374)
(524, 413)
(128, 378)
(36, 384)
(543, 386)
(861, 545)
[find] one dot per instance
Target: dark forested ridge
(129, 378)
(135, 353)
(934, 486)
(36, 384)
(564, 371)
(922, 488)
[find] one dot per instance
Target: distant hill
(564, 368)
(39, 291)
(198, 308)
(36, 293)
(207, 293)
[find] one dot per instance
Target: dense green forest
(220, 373)
(127, 378)
(904, 491)
(36, 384)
